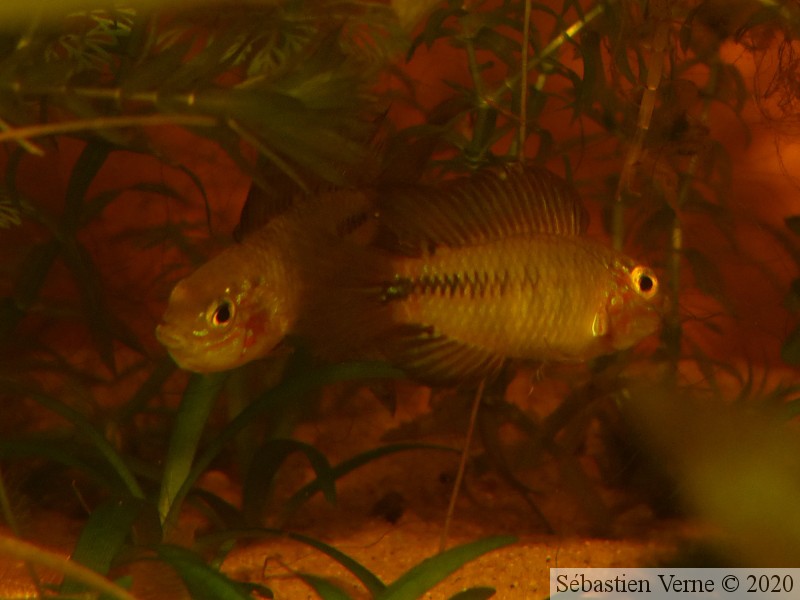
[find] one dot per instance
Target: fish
(481, 271)
(241, 304)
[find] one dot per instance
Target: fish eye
(221, 313)
(645, 281)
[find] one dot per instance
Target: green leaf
(149, 389)
(55, 562)
(33, 272)
(271, 400)
(793, 223)
(706, 274)
(421, 578)
(792, 300)
(153, 72)
(371, 581)
(505, 48)
(732, 89)
(476, 593)
(791, 409)
(190, 421)
(351, 464)
(790, 351)
(87, 431)
(98, 203)
(435, 28)
(227, 515)
(93, 308)
(101, 539)
(84, 171)
(65, 452)
(264, 468)
(588, 90)
(203, 582)
(324, 588)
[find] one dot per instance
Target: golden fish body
(545, 297)
(483, 270)
(242, 303)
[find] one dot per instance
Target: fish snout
(168, 337)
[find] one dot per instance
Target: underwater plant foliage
(130, 137)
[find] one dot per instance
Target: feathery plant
(633, 88)
(630, 86)
(293, 85)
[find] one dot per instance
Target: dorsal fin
(492, 204)
(260, 207)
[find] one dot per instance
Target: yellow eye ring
(221, 314)
(644, 282)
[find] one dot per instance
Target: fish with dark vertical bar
(242, 303)
(448, 282)
(479, 271)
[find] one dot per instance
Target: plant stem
(33, 554)
(523, 91)
(462, 466)
(21, 134)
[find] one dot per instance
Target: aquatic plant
(622, 96)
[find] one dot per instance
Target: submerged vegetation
(121, 128)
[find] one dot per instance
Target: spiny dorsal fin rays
(492, 204)
(345, 214)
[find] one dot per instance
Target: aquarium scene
(395, 299)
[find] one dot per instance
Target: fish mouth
(167, 336)
(200, 356)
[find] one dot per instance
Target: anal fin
(435, 359)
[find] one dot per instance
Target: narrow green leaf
(99, 202)
(588, 90)
(64, 452)
(198, 184)
(790, 351)
(706, 274)
(792, 409)
(33, 272)
(95, 313)
(421, 578)
(147, 391)
(351, 464)
(793, 223)
(373, 584)
(226, 514)
(190, 421)
(476, 593)
(505, 48)
(264, 467)
(101, 539)
(271, 400)
(30, 553)
(84, 171)
(435, 27)
(155, 71)
(203, 582)
(10, 316)
(88, 432)
(324, 588)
